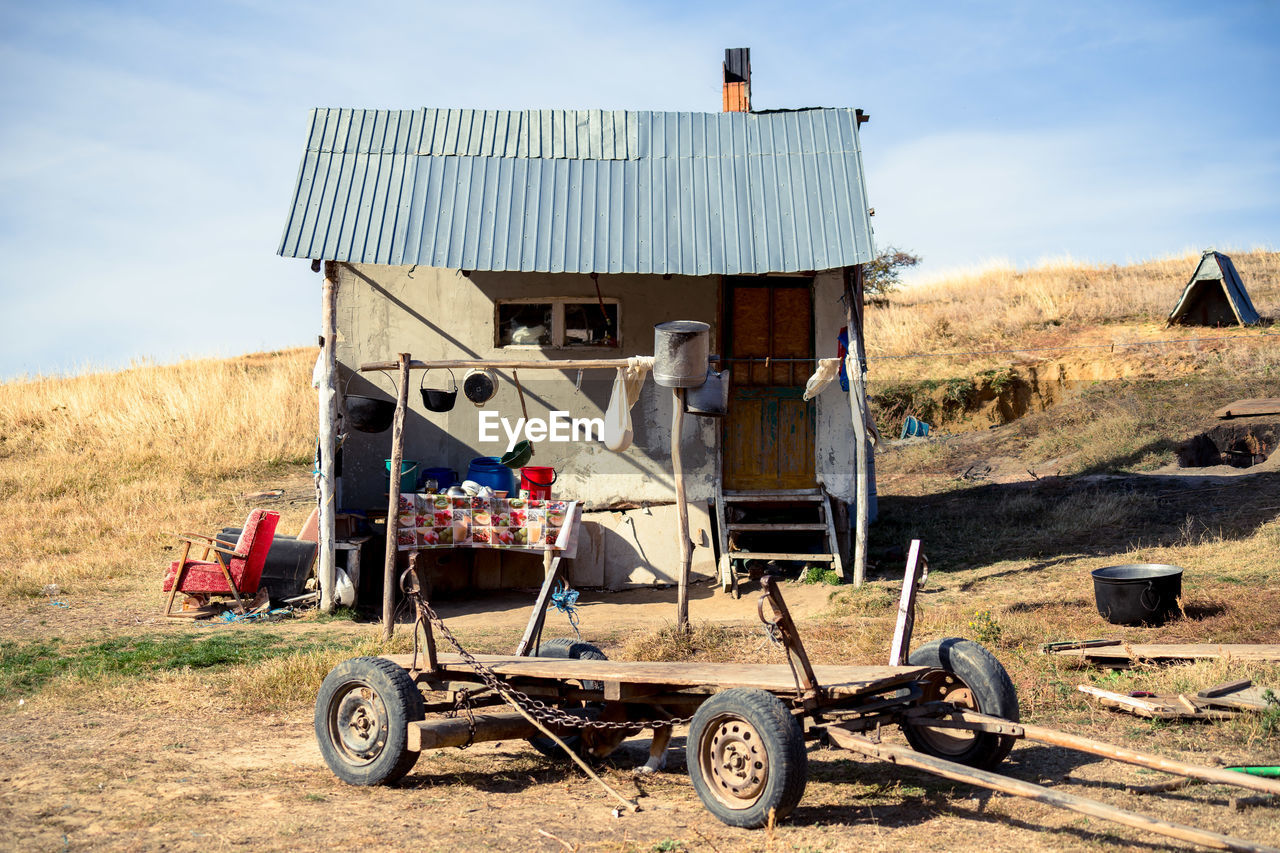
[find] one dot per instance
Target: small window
(558, 323)
(590, 324)
(524, 324)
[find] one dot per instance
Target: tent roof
(1217, 267)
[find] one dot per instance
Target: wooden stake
(326, 573)
(901, 648)
(682, 511)
(853, 367)
(393, 499)
(960, 773)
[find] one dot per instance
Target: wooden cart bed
(776, 678)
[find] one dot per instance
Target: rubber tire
(782, 738)
(569, 649)
(401, 704)
(991, 688)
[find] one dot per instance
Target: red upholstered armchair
(234, 571)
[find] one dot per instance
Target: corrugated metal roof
(583, 191)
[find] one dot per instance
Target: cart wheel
(968, 676)
(362, 717)
(746, 757)
(571, 649)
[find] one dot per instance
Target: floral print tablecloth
(440, 521)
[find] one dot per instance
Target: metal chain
(539, 709)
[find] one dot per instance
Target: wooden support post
(393, 498)
(682, 511)
(906, 757)
(328, 430)
(854, 366)
(439, 732)
(550, 572)
(901, 647)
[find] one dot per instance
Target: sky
(148, 150)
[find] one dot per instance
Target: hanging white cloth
(828, 370)
(626, 390)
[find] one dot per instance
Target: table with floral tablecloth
(440, 521)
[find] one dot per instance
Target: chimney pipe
(737, 80)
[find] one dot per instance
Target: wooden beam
(393, 498)
(566, 364)
(550, 572)
(456, 731)
(905, 757)
(854, 366)
(682, 510)
(1216, 775)
(325, 481)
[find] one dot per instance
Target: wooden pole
(393, 498)
(900, 650)
(565, 364)
(950, 770)
(1216, 775)
(853, 367)
(325, 484)
(682, 510)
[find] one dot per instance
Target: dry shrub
(704, 641)
(93, 467)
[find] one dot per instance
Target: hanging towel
(826, 373)
(626, 390)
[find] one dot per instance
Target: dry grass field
(119, 731)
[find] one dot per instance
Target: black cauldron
(1137, 593)
(369, 414)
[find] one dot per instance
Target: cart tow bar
(807, 689)
(906, 757)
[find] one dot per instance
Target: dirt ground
(200, 775)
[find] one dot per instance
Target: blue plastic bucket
(488, 471)
(408, 479)
(914, 428)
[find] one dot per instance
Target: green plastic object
(519, 455)
(1270, 772)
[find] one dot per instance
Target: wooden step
(822, 527)
(774, 495)
(772, 499)
(759, 555)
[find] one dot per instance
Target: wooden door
(769, 433)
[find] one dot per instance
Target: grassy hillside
(93, 468)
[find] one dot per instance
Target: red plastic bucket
(537, 480)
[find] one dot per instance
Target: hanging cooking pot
(367, 414)
(480, 386)
(438, 400)
(711, 398)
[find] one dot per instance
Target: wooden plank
(1178, 651)
(950, 770)
(1225, 688)
(326, 482)
(745, 526)
(1217, 775)
(900, 648)
(835, 680)
(1249, 408)
(833, 541)
(440, 732)
(770, 555)
(562, 364)
(773, 497)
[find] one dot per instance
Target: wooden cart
(748, 723)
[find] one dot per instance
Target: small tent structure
(1215, 296)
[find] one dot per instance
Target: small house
(560, 235)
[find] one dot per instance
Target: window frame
(558, 340)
